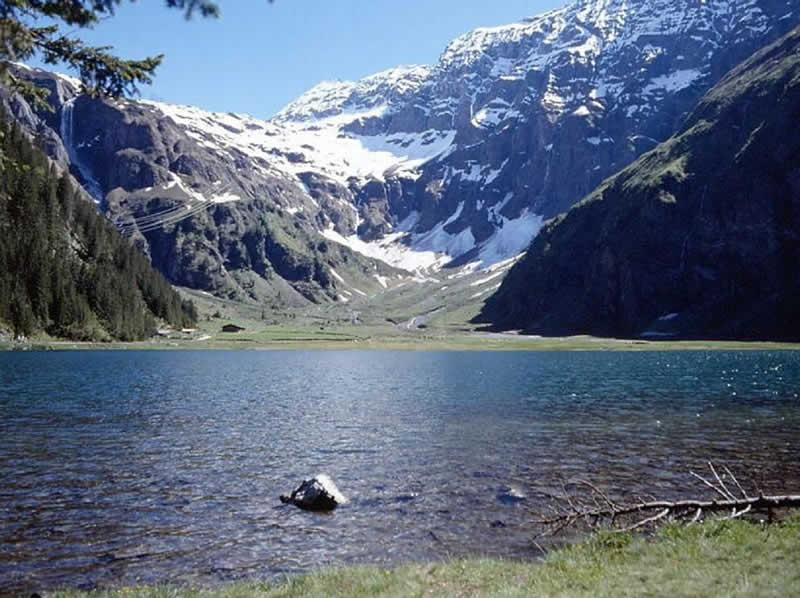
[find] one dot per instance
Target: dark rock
(317, 494)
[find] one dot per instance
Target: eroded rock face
(317, 494)
(214, 219)
(463, 158)
(697, 239)
(540, 111)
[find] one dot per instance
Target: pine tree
(65, 269)
(34, 27)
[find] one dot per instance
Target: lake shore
(720, 558)
(384, 338)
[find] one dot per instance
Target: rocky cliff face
(211, 218)
(519, 122)
(419, 167)
(698, 238)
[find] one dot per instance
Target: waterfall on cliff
(67, 131)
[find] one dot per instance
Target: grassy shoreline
(717, 558)
(381, 338)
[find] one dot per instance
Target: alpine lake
(121, 468)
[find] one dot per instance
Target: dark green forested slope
(63, 268)
(698, 238)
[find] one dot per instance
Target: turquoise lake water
(121, 468)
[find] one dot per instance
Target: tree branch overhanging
(102, 72)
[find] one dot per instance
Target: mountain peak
(422, 166)
(370, 94)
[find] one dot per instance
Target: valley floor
(712, 559)
(385, 323)
(376, 338)
(386, 338)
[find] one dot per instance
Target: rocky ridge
(696, 239)
(416, 167)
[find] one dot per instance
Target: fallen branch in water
(596, 508)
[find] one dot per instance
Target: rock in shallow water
(317, 494)
(510, 496)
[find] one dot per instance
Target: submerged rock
(510, 496)
(317, 494)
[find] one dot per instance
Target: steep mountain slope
(416, 167)
(210, 217)
(698, 238)
(532, 115)
(63, 268)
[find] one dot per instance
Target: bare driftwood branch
(723, 494)
(688, 506)
(738, 485)
(598, 508)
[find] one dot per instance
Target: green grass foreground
(719, 558)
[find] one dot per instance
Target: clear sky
(258, 56)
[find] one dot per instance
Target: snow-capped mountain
(375, 93)
(696, 239)
(458, 163)
(518, 122)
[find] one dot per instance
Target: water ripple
(121, 468)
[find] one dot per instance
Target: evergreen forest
(64, 269)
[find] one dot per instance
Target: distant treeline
(64, 268)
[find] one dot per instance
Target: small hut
(232, 328)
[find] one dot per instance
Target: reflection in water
(132, 467)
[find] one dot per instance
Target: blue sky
(258, 56)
